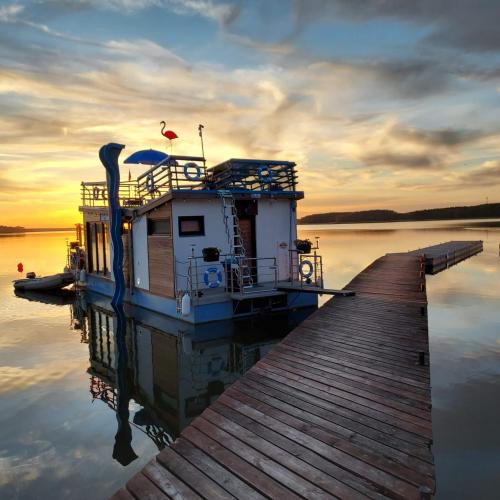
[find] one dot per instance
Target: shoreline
(392, 221)
(41, 230)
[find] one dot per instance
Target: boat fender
(150, 183)
(212, 283)
(189, 175)
(83, 276)
(265, 174)
(186, 304)
(310, 269)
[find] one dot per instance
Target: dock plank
(141, 486)
(322, 418)
(168, 483)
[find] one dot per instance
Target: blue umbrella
(147, 157)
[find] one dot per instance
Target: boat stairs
(341, 408)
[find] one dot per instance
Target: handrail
(152, 169)
(95, 194)
(190, 274)
(300, 278)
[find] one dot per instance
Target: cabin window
(192, 226)
(98, 248)
(159, 227)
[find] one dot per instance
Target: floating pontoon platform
(444, 255)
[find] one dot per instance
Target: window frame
(154, 220)
(184, 218)
(98, 245)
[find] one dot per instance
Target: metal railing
(174, 173)
(199, 278)
(95, 194)
(188, 173)
(306, 269)
(254, 175)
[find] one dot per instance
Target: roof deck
(189, 175)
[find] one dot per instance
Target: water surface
(61, 436)
(464, 332)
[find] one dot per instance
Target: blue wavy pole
(108, 155)
(122, 450)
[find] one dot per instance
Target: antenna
(200, 132)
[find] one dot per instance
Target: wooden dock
(442, 256)
(341, 408)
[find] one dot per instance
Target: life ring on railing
(265, 174)
(192, 176)
(150, 183)
(310, 267)
(212, 283)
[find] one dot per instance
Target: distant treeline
(489, 210)
(12, 229)
(21, 229)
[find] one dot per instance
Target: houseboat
(204, 244)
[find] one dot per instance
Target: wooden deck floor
(340, 408)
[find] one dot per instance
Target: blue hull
(200, 313)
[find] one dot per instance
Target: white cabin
(205, 244)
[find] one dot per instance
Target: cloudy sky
(382, 103)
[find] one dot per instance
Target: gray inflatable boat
(54, 282)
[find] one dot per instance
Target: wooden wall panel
(161, 212)
(161, 257)
(161, 272)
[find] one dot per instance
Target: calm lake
(64, 433)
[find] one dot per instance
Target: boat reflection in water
(171, 370)
(57, 297)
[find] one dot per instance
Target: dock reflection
(172, 370)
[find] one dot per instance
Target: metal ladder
(234, 238)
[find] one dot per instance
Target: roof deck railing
(188, 173)
(254, 175)
(95, 194)
(174, 173)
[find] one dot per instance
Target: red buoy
(20, 267)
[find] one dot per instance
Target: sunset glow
(381, 104)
